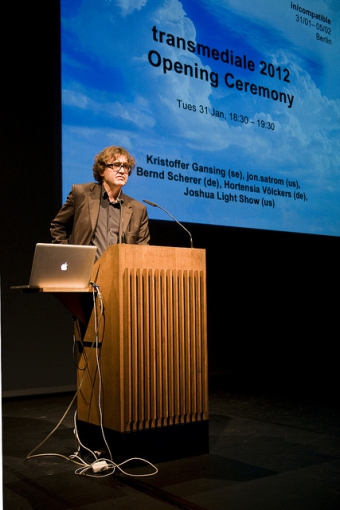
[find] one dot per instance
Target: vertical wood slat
(170, 353)
(158, 354)
(176, 351)
(153, 348)
(145, 290)
(165, 371)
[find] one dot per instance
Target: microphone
(171, 216)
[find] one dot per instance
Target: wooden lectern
(142, 373)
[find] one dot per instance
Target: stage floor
(271, 446)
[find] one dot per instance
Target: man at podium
(150, 395)
(99, 213)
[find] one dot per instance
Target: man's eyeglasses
(117, 166)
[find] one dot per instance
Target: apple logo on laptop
(64, 266)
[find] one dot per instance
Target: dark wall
(272, 303)
(36, 330)
(272, 297)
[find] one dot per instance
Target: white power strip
(100, 465)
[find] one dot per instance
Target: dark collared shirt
(107, 229)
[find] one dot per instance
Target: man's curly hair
(107, 155)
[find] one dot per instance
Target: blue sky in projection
(114, 92)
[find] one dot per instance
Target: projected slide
(231, 108)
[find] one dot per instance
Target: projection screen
(230, 108)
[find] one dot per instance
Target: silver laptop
(62, 266)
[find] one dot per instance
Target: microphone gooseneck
(171, 216)
(121, 235)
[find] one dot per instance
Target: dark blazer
(76, 221)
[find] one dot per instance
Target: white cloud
(128, 6)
